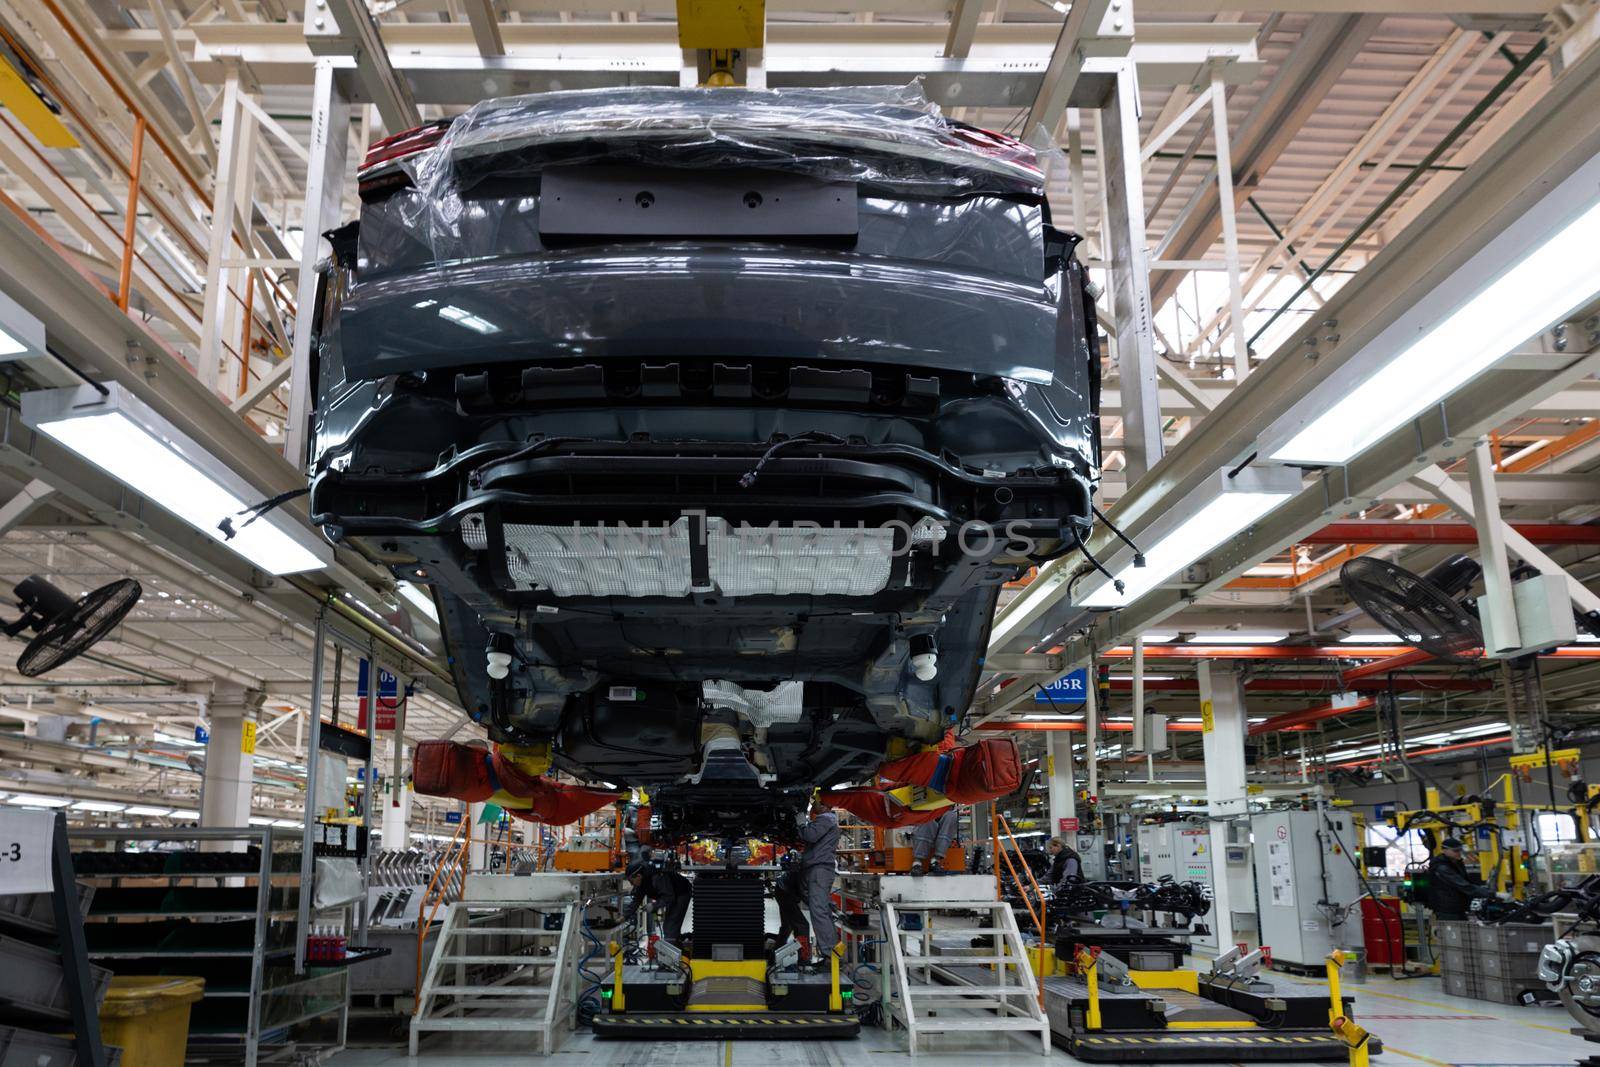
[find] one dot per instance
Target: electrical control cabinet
(1306, 883)
(1091, 849)
(1182, 851)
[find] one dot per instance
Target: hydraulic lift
(1104, 1011)
(724, 983)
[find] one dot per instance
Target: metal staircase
(940, 987)
(506, 959)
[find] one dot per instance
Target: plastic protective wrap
(950, 263)
(892, 137)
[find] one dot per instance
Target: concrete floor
(1417, 1021)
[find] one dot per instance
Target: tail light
(406, 143)
(995, 145)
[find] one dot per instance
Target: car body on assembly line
(716, 420)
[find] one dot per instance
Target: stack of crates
(1495, 963)
(1508, 959)
(1458, 957)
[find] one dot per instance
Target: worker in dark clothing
(671, 890)
(789, 892)
(1451, 887)
(931, 841)
(1065, 863)
(819, 834)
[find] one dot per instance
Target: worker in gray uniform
(931, 840)
(819, 836)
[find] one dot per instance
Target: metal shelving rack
(324, 989)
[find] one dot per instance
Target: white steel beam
(1127, 254)
(1223, 725)
(1443, 487)
(485, 27)
(347, 28)
(1491, 529)
(1561, 133)
(963, 28)
(330, 144)
(1230, 226)
(1327, 46)
(1091, 28)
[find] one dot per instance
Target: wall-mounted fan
(66, 628)
(1429, 610)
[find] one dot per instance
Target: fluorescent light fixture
(97, 805)
(419, 598)
(1540, 268)
(146, 809)
(1239, 637)
(1216, 511)
(183, 813)
(1158, 638)
(33, 800)
(287, 824)
(1385, 638)
(184, 742)
(257, 820)
(124, 437)
(21, 334)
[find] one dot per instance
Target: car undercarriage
(716, 495)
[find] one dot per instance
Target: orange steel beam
(1435, 751)
(130, 221)
(1309, 716)
(1411, 532)
(1278, 683)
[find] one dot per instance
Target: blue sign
(452, 816)
(201, 735)
(1067, 690)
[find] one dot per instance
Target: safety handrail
(131, 168)
(998, 824)
(453, 869)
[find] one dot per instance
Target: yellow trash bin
(148, 1018)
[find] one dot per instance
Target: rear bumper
(692, 302)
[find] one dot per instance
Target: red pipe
(1309, 716)
(1375, 532)
(1388, 655)
(1259, 652)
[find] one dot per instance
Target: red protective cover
(982, 771)
(451, 769)
(991, 768)
(556, 803)
(877, 808)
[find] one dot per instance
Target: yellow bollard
(835, 999)
(1090, 966)
(619, 1001)
(1344, 1028)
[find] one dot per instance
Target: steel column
(214, 318)
(1502, 612)
(1223, 722)
(330, 143)
(309, 823)
(1230, 227)
(1128, 258)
